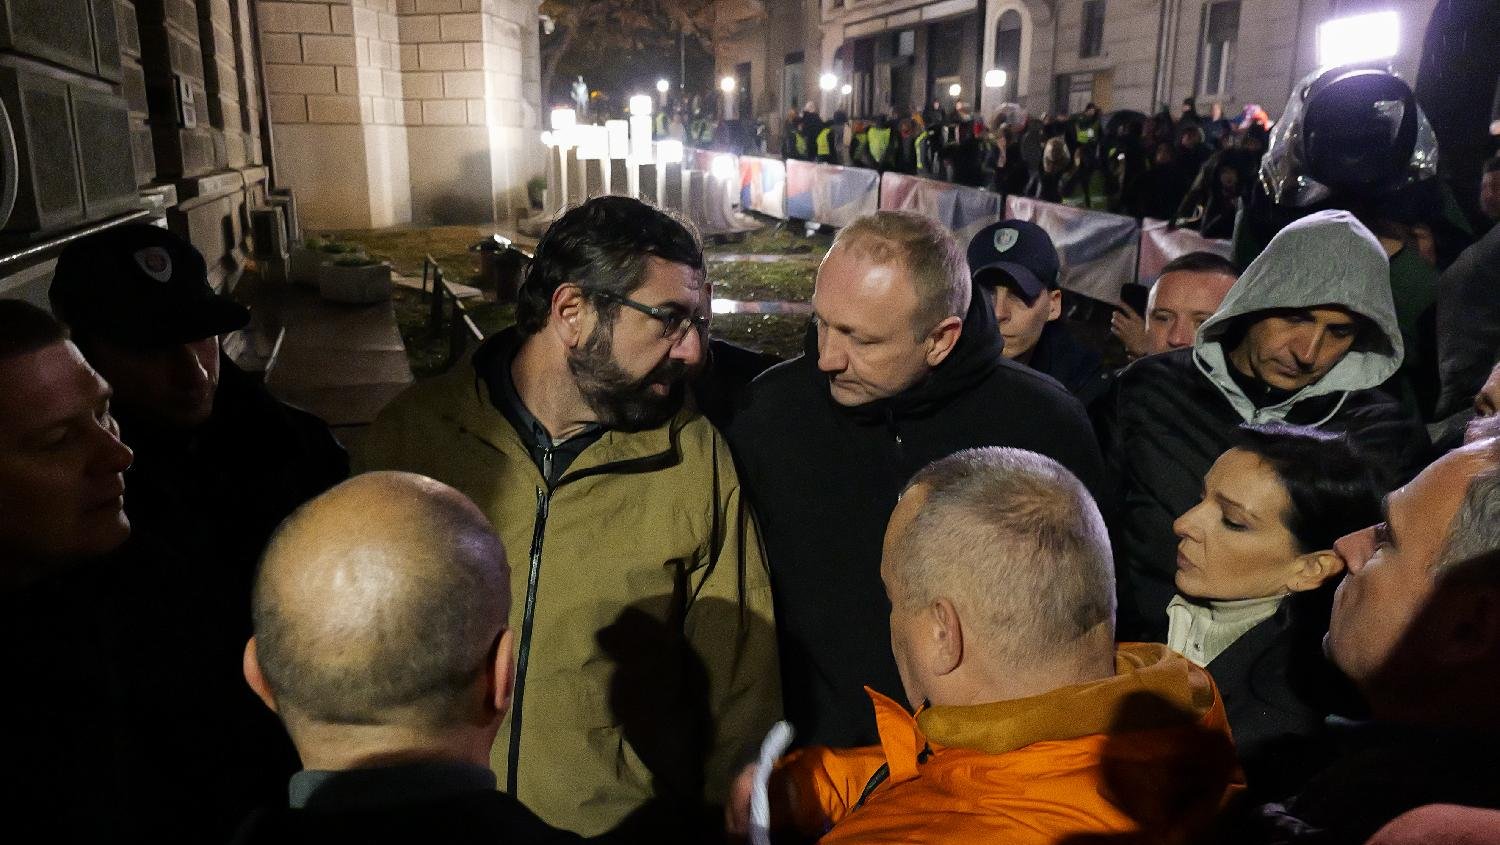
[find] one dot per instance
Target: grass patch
(779, 334)
(769, 240)
(405, 247)
(783, 281)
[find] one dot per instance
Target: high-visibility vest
(921, 144)
(661, 124)
(800, 141)
(824, 148)
(880, 143)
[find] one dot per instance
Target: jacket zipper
(543, 501)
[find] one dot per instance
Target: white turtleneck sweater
(1201, 630)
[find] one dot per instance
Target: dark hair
(26, 328)
(1492, 165)
(603, 245)
(1201, 262)
(1334, 489)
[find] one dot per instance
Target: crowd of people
(1241, 590)
(1194, 170)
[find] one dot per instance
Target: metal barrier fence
(1100, 251)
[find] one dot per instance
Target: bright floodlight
(1358, 38)
(845, 89)
(828, 82)
(994, 78)
(727, 85)
(955, 89)
(669, 152)
(723, 167)
(564, 119)
(663, 86)
(641, 104)
(547, 139)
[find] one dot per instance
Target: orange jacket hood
(1147, 750)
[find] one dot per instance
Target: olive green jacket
(646, 658)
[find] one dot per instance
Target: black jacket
(1381, 770)
(824, 479)
(1079, 368)
(1278, 688)
(1468, 323)
(1163, 424)
(482, 818)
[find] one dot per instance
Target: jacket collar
(471, 409)
(1097, 707)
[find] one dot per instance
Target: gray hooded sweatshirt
(1327, 258)
(1170, 416)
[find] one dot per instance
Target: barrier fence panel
(1160, 245)
(763, 185)
(963, 210)
(830, 194)
(1098, 250)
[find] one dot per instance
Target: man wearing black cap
(218, 464)
(1016, 265)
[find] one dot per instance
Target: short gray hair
(1018, 536)
(932, 256)
(1475, 529)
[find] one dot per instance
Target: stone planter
(357, 284)
(305, 263)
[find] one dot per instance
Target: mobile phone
(1135, 294)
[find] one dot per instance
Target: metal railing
(461, 327)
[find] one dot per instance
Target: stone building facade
(398, 111)
(372, 112)
(1057, 54)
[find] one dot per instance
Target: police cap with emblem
(1014, 253)
(141, 286)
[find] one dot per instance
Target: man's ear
(1054, 305)
(1311, 570)
(567, 316)
(503, 671)
(941, 340)
(250, 665)
(947, 636)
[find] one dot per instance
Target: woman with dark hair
(1255, 578)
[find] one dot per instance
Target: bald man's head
(380, 602)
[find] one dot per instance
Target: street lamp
(955, 89)
(845, 89)
(994, 78)
(1358, 38)
(727, 85)
(828, 82)
(663, 86)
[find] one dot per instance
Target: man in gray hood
(1304, 337)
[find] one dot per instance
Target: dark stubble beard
(619, 401)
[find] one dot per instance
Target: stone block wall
(424, 101)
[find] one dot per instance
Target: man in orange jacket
(1031, 725)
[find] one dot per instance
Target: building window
(1092, 42)
(1221, 28)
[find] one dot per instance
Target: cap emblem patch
(154, 262)
(1005, 239)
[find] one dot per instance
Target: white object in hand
(775, 744)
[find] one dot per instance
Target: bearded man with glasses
(646, 653)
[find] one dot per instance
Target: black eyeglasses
(675, 323)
